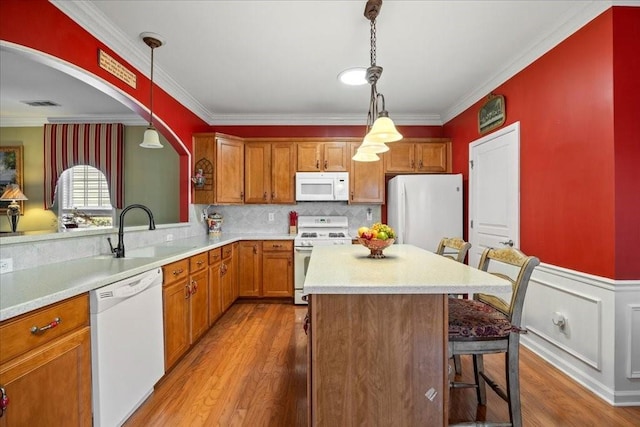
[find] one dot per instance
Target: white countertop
(25, 290)
(406, 269)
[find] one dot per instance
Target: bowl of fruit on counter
(376, 238)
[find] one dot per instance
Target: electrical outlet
(369, 216)
(271, 217)
(6, 265)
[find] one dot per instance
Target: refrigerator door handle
(402, 218)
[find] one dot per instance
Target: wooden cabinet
(318, 156)
(215, 285)
(229, 275)
(250, 268)
(47, 376)
(269, 172)
(185, 305)
(277, 268)
(221, 157)
(430, 155)
(366, 179)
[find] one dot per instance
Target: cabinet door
(215, 293)
(366, 180)
(277, 277)
(432, 157)
(250, 268)
(335, 157)
(226, 276)
(400, 157)
(235, 288)
(199, 304)
(175, 300)
(204, 151)
(51, 385)
(283, 171)
(229, 170)
(309, 157)
(257, 180)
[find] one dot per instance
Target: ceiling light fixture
(151, 138)
(356, 76)
(380, 128)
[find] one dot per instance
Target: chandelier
(380, 128)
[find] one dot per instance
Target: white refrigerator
(422, 209)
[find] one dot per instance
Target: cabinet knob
(39, 330)
(264, 196)
(200, 262)
(177, 272)
(4, 401)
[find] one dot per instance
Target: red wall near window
(575, 190)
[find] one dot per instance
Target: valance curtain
(96, 144)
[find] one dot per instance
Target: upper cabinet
(323, 156)
(269, 171)
(431, 155)
(366, 179)
(221, 158)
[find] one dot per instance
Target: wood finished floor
(250, 370)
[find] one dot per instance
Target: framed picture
(491, 114)
(11, 172)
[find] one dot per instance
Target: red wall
(572, 188)
(626, 89)
(39, 25)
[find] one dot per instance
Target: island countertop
(406, 269)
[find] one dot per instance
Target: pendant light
(380, 128)
(151, 138)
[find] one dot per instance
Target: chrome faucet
(118, 251)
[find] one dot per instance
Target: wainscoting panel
(633, 358)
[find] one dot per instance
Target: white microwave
(322, 186)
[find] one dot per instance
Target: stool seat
(471, 320)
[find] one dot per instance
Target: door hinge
(471, 223)
(471, 163)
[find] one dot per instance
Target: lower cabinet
(277, 268)
(47, 375)
(266, 268)
(185, 305)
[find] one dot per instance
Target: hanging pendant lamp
(380, 128)
(151, 138)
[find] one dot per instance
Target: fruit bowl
(376, 246)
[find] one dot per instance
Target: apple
(362, 230)
(382, 235)
(368, 235)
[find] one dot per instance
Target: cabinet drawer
(277, 245)
(16, 336)
(215, 255)
(175, 271)
(227, 251)
(198, 262)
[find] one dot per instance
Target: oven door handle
(305, 249)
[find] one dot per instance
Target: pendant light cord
(151, 91)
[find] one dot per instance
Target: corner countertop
(26, 290)
(406, 269)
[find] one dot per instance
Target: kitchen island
(378, 334)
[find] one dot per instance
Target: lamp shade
(151, 139)
(363, 156)
(12, 192)
(383, 130)
(368, 146)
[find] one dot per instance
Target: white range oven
(315, 231)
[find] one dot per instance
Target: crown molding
(89, 17)
(318, 120)
(24, 122)
(535, 50)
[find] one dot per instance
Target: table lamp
(12, 192)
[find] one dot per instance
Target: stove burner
(336, 235)
(308, 235)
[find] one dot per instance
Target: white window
(83, 194)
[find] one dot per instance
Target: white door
(494, 191)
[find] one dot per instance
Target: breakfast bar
(377, 333)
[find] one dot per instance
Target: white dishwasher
(127, 346)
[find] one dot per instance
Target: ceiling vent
(41, 103)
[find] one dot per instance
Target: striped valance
(97, 145)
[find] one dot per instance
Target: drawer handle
(199, 262)
(177, 272)
(4, 401)
(41, 330)
(276, 246)
(187, 292)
